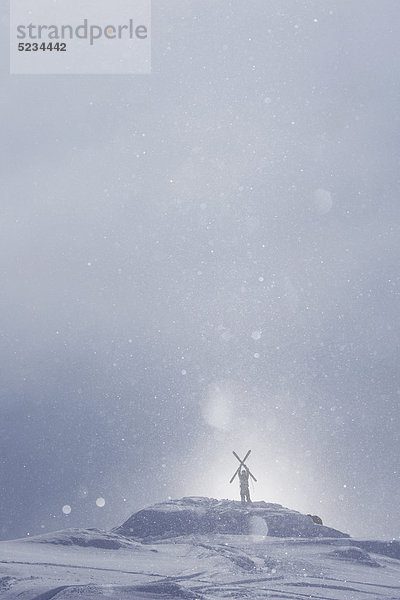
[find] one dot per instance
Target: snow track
(89, 564)
(202, 567)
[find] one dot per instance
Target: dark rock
(316, 519)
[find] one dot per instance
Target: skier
(244, 485)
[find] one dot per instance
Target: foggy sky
(203, 260)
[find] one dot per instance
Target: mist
(201, 260)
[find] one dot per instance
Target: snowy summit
(197, 515)
(202, 548)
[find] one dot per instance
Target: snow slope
(163, 563)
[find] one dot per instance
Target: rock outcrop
(198, 515)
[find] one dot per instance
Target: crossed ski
(242, 464)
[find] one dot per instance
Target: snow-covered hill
(201, 548)
(210, 516)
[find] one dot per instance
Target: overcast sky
(206, 259)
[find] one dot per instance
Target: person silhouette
(244, 485)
